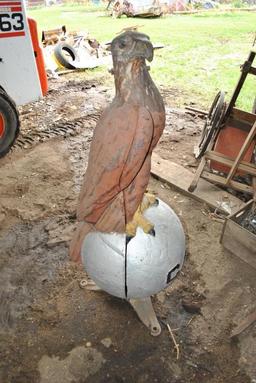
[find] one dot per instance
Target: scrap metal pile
(156, 8)
(71, 50)
(249, 221)
(134, 8)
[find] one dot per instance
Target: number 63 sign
(11, 22)
(11, 19)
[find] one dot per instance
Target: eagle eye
(122, 44)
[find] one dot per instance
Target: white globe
(143, 267)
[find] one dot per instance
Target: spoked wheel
(9, 123)
(212, 123)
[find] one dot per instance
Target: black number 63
(11, 22)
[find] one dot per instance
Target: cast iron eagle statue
(120, 155)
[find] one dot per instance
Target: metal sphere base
(147, 315)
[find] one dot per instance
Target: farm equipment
(23, 77)
(227, 145)
(134, 8)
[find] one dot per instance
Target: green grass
(202, 53)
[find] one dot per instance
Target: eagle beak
(144, 48)
(149, 52)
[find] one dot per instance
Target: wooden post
(242, 152)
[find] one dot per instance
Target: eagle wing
(122, 139)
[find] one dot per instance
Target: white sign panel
(18, 71)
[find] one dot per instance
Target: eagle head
(130, 46)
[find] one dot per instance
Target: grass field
(202, 52)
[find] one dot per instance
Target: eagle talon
(156, 203)
(128, 238)
(152, 232)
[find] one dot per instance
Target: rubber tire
(61, 58)
(12, 124)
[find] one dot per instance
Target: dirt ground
(52, 331)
